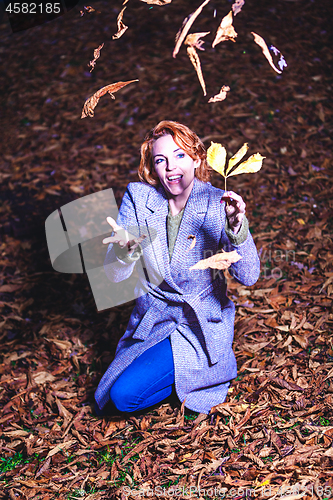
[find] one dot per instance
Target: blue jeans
(146, 381)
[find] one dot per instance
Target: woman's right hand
(122, 237)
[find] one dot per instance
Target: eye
(159, 160)
(181, 155)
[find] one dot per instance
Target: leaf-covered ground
(274, 433)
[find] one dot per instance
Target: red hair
(187, 140)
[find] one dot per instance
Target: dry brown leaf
(157, 2)
(262, 44)
(254, 459)
(192, 245)
(218, 261)
(63, 412)
(120, 25)
(285, 385)
(43, 377)
(97, 53)
(45, 467)
(64, 345)
(18, 433)
(88, 8)
(237, 6)
(91, 102)
(221, 95)
(9, 288)
(193, 41)
(302, 341)
(60, 447)
(139, 447)
(225, 31)
(186, 27)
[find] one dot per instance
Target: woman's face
(174, 167)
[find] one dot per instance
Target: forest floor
(273, 436)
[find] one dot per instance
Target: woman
(181, 330)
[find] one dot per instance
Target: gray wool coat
(190, 307)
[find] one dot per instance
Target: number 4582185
(34, 8)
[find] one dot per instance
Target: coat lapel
(157, 207)
(192, 220)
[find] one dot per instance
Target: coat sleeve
(247, 270)
(117, 265)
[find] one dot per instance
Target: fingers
(113, 224)
(131, 244)
(114, 239)
(233, 200)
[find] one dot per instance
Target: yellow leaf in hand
(250, 166)
(216, 157)
(237, 157)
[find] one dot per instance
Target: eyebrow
(160, 154)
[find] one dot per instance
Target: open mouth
(174, 178)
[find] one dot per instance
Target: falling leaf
(218, 261)
(195, 60)
(237, 157)
(91, 102)
(157, 2)
(237, 6)
(221, 95)
(88, 8)
(216, 156)
(186, 27)
(193, 41)
(97, 53)
(262, 44)
(120, 25)
(225, 31)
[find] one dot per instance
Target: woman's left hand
(234, 209)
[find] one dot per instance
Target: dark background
(50, 156)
